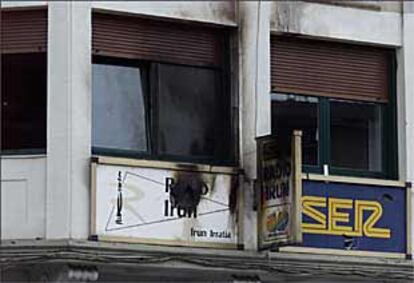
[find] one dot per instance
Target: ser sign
(354, 217)
(337, 219)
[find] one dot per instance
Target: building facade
(132, 141)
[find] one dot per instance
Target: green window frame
(388, 143)
(389, 132)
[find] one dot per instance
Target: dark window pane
(291, 112)
(118, 109)
(356, 135)
(193, 114)
(23, 100)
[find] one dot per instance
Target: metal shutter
(23, 31)
(138, 38)
(347, 71)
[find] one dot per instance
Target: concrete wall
(254, 85)
(215, 12)
(337, 23)
(69, 119)
(61, 183)
(23, 197)
(373, 5)
(55, 190)
(407, 84)
(22, 4)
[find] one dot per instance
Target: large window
(23, 103)
(161, 90)
(162, 111)
(342, 96)
(350, 137)
(23, 47)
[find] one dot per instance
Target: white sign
(133, 203)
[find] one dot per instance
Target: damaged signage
(171, 206)
(279, 172)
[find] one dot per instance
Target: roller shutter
(319, 68)
(23, 31)
(147, 39)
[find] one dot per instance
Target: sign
(279, 171)
(354, 217)
(135, 204)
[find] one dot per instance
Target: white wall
(23, 197)
(407, 85)
(58, 187)
(215, 12)
(55, 192)
(68, 120)
(254, 85)
(22, 4)
(337, 23)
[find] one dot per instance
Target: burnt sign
(164, 206)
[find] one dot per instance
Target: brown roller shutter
(311, 67)
(147, 39)
(23, 31)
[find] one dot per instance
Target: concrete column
(69, 120)
(407, 62)
(254, 24)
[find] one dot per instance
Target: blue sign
(354, 217)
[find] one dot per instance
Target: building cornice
(266, 265)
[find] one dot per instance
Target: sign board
(354, 217)
(279, 172)
(133, 204)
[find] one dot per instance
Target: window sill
(22, 156)
(194, 167)
(353, 180)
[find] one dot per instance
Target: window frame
(388, 141)
(388, 138)
(150, 84)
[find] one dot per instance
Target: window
(290, 112)
(23, 100)
(356, 128)
(118, 115)
(342, 97)
(23, 46)
(349, 136)
(162, 111)
(193, 115)
(161, 90)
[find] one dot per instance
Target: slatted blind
(311, 67)
(23, 31)
(137, 38)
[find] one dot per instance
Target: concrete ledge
(268, 265)
(354, 180)
(337, 23)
